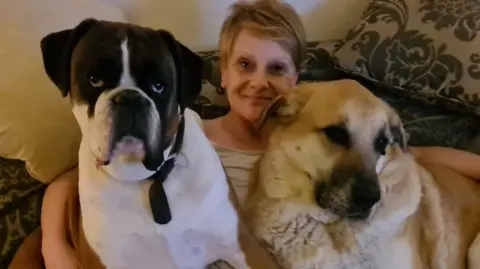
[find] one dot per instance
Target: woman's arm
(56, 248)
(463, 162)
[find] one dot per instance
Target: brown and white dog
(129, 87)
(338, 189)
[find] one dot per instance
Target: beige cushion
(324, 20)
(36, 123)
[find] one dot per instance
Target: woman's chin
(252, 115)
(249, 111)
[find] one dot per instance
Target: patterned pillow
(20, 206)
(427, 49)
(427, 125)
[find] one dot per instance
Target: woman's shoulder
(212, 129)
(210, 124)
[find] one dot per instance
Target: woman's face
(256, 72)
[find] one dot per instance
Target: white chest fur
(400, 253)
(116, 214)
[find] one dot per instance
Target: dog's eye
(380, 144)
(338, 134)
(157, 87)
(96, 82)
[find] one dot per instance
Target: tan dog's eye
(338, 134)
(381, 143)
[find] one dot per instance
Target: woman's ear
(223, 76)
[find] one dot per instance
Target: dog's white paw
(401, 191)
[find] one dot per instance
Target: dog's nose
(366, 191)
(129, 97)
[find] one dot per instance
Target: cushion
(427, 125)
(423, 48)
(20, 206)
(202, 28)
(36, 124)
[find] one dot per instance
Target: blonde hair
(270, 19)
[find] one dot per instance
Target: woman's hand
(415, 152)
(57, 210)
(463, 162)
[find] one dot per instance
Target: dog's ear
(285, 108)
(396, 127)
(282, 110)
(400, 136)
(189, 67)
(57, 49)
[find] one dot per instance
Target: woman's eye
(96, 82)
(244, 64)
(277, 69)
(157, 87)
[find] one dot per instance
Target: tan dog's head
(333, 134)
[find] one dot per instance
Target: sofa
(419, 56)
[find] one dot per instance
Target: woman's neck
(242, 133)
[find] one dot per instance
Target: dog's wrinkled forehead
(349, 103)
(113, 55)
(349, 110)
(364, 117)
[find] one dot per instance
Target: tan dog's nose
(365, 192)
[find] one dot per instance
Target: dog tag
(157, 196)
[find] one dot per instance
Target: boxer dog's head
(128, 87)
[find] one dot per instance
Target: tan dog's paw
(400, 184)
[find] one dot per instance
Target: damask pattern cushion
(427, 125)
(427, 49)
(20, 206)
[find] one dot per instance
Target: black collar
(157, 196)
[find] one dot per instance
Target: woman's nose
(259, 80)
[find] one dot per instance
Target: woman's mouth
(257, 99)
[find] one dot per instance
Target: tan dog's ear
(284, 108)
(280, 110)
(271, 111)
(398, 132)
(402, 137)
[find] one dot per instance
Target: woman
(262, 45)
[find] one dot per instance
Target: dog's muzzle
(365, 194)
(349, 194)
(135, 130)
(129, 99)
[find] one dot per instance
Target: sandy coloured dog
(337, 188)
